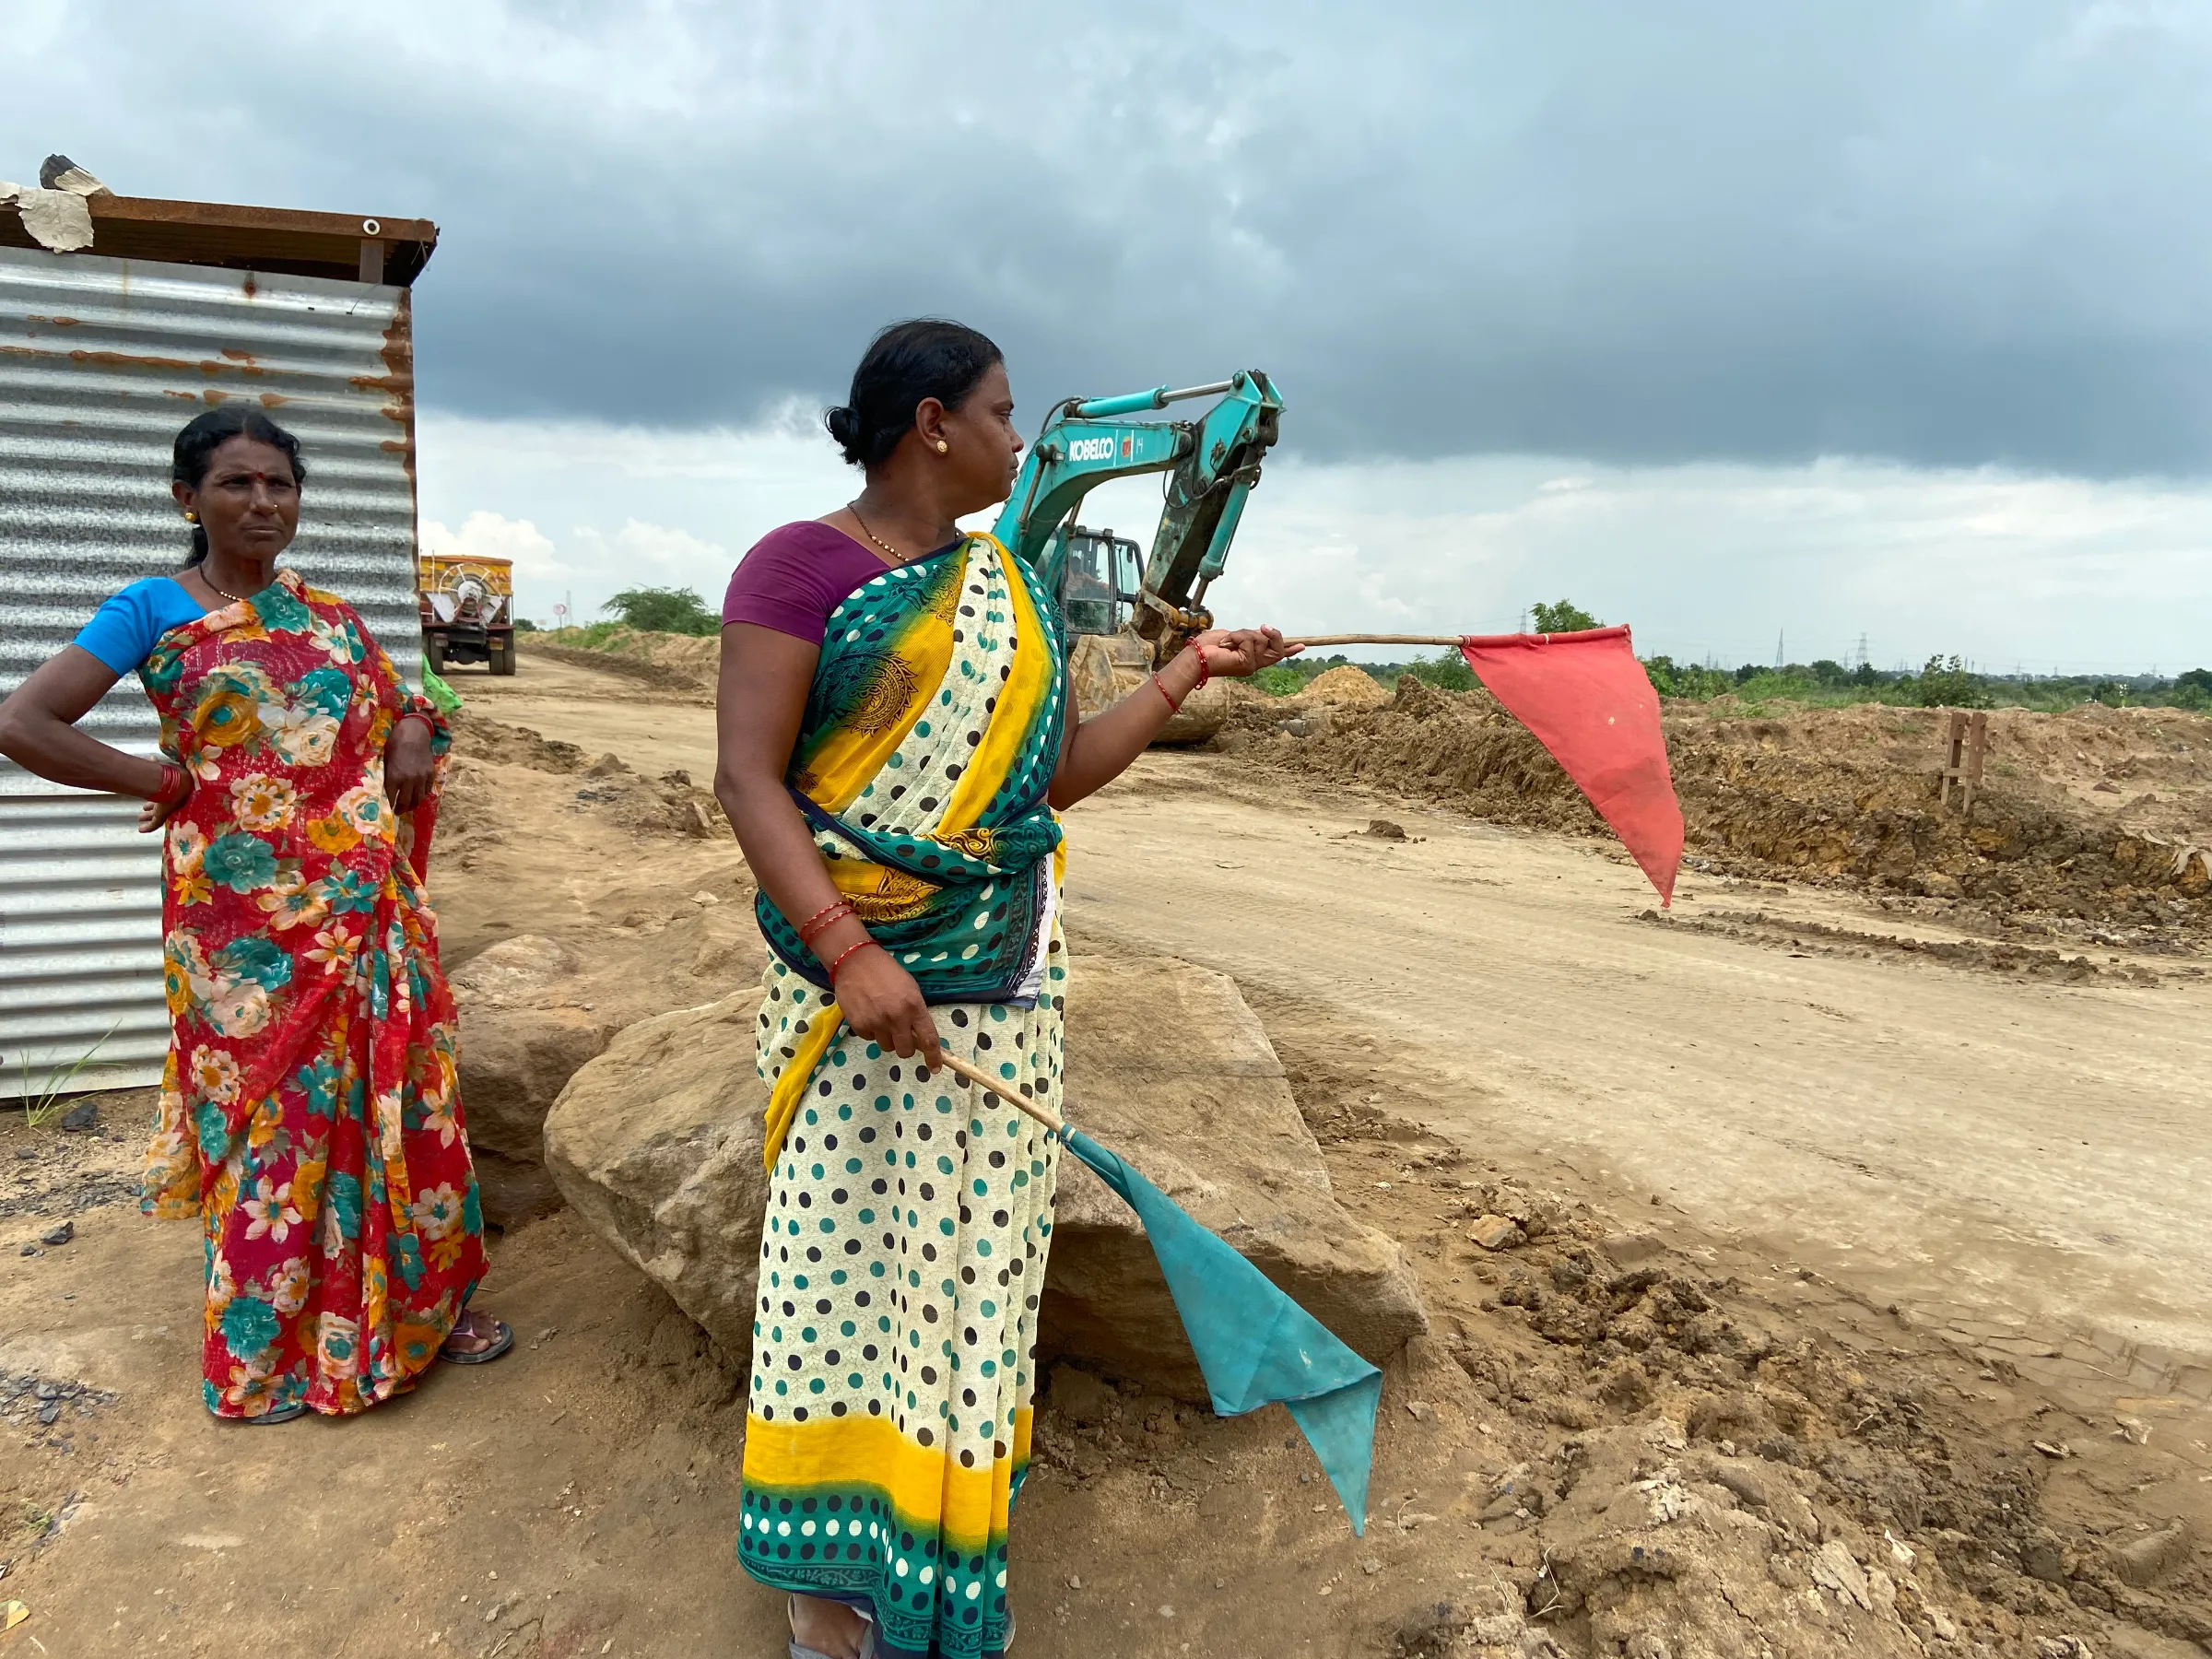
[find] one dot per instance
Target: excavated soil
(2093, 827)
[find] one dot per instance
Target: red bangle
(416, 714)
(1204, 671)
(1159, 686)
(176, 786)
(823, 920)
(845, 953)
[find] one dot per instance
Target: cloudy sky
(1731, 322)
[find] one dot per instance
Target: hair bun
(844, 426)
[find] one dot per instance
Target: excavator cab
(1101, 581)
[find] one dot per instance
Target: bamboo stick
(1004, 1090)
(1377, 640)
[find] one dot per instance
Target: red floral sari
(310, 1114)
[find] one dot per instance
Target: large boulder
(523, 1034)
(657, 1144)
(1168, 1067)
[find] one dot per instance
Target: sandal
(799, 1650)
(275, 1415)
(503, 1339)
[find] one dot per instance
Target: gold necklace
(226, 593)
(853, 509)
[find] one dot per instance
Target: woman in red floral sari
(310, 1116)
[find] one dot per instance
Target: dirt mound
(668, 661)
(1764, 1461)
(1348, 687)
(480, 738)
(669, 805)
(2055, 846)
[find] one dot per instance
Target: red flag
(1589, 701)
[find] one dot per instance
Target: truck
(467, 605)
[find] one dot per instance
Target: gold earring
(942, 447)
(190, 517)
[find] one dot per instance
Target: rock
(81, 1118)
(2149, 1556)
(1384, 828)
(59, 1235)
(656, 1145)
(1832, 1568)
(1168, 1067)
(522, 1038)
(524, 966)
(2043, 1556)
(1936, 884)
(1497, 1232)
(514, 1063)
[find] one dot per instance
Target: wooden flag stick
(1004, 1090)
(1450, 639)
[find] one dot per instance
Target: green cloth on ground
(446, 699)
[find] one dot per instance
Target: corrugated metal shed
(101, 360)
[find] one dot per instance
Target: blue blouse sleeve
(123, 630)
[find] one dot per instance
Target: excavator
(1126, 612)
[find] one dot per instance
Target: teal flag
(1254, 1343)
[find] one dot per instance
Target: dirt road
(2022, 1163)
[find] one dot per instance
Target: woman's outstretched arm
(38, 732)
(760, 700)
(1106, 744)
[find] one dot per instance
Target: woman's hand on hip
(1239, 652)
(409, 769)
(881, 1002)
(154, 813)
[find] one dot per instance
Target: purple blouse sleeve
(795, 577)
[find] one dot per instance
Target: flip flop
(799, 1650)
(270, 1418)
(500, 1343)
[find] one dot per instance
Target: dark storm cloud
(1947, 233)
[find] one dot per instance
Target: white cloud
(661, 509)
(489, 535)
(1710, 559)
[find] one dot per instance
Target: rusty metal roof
(280, 241)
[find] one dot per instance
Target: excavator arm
(1212, 462)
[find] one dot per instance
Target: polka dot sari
(907, 1221)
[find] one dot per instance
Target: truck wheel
(433, 652)
(499, 654)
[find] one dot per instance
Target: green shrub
(664, 610)
(1946, 684)
(1447, 671)
(1565, 617)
